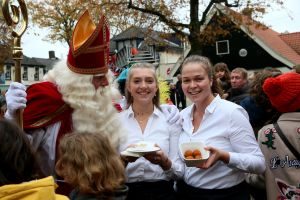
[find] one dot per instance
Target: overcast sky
(279, 20)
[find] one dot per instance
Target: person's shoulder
(43, 90)
(228, 105)
(187, 110)
(87, 197)
(124, 113)
(41, 85)
(230, 109)
(247, 101)
(263, 130)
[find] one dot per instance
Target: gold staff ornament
(15, 14)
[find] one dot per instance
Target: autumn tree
(184, 17)
(170, 14)
(59, 16)
(5, 43)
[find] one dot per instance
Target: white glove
(15, 99)
(172, 114)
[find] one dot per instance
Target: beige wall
(31, 72)
(168, 59)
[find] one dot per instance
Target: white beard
(98, 115)
(93, 109)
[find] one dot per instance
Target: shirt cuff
(170, 172)
(233, 160)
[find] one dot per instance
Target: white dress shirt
(158, 131)
(225, 126)
(43, 143)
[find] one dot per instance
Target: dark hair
(222, 67)
(17, 161)
(260, 98)
(206, 64)
(121, 86)
(225, 81)
(256, 90)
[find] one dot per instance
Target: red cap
(89, 48)
(284, 91)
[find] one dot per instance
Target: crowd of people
(76, 134)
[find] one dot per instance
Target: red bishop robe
(45, 106)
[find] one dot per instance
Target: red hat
(284, 91)
(89, 48)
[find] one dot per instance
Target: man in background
(239, 85)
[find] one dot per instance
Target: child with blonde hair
(92, 166)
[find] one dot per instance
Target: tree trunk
(196, 45)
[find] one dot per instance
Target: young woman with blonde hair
(149, 176)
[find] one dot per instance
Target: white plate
(142, 150)
(143, 147)
(127, 153)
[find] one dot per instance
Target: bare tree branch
(175, 26)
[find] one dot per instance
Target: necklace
(142, 117)
(141, 113)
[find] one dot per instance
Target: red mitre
(89, 48)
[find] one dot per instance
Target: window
(8, 73)
(36, 73)
(222, 47)
(25, 73)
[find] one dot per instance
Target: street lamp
(15, 16)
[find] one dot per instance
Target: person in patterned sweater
(282, 172)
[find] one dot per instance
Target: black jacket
(119, 194)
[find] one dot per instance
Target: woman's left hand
(215, 155)
(159, 158)
(155, 157)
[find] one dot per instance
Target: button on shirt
(158, 131)
(225, 126)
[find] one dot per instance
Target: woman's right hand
(127, 158)
(215, 155)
